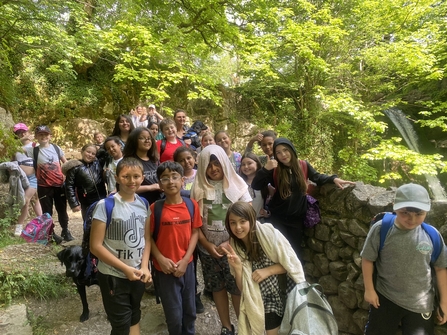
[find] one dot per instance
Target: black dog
(75, 265)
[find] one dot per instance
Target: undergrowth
(39, 324)
(36, 284)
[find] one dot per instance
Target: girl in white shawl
(216, 187)
(257, 254)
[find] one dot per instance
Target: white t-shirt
(124, 236)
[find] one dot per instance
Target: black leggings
(293, 233)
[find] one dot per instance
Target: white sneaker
(18, 230)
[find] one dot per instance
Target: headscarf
(233, 185)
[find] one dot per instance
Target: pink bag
(39, 230)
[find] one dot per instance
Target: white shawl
(278, 249)
(234, 186)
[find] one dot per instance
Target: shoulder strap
(387, 222)
(143, 200)
(304, 168)
(35, 155)
(58, 151)
(162, 146)
(190, 206)
(110, 203)
(435, 240)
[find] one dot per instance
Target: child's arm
(97, 234)
(167, 265)
(261, 274)
(183, 263)
(147, 277)
(441, 279)
(370, 293)
(148, 188)
(210, 247)
(159, 117)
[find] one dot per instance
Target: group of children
(219, 210)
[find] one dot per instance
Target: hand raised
(271, 163)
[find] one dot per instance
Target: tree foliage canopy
(318, 72)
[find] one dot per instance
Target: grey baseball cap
(412, 195)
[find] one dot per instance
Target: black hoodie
(292, 209)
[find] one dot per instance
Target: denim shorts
(32, 181)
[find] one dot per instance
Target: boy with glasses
(173, 244)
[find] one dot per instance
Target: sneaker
(57, 239)
(226, 331)
(66, 235)
(18, 230)
(199, 306)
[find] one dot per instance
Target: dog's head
(72, 259)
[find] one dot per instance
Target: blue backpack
(387, 223)
(91, 260)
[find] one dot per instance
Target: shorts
(385, 320)
(217, 275)
(121, 299)
(272, 321)
(32, 181)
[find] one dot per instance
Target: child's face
(186, 160)
(99, 138)
(214, 170)
(240, 227)
(129, 179)
(409, 220)
(283, 154)
(267, 146)
(43, 138)
(89, 154)
(124, 124)
(171, 182)
(223, 141)
(248, 166)
(154, 129)
(114, 149)
(207, 140)
(169, 131)
(144, 141)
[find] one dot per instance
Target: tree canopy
(319, 72)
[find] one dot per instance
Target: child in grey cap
(403, 291)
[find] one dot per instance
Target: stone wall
(332, 255)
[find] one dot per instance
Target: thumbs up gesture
(271, 163)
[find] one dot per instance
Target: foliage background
(318, 72)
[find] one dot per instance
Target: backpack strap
(58, 151)
(35, 155)
(435, 239)
(304, 168)
(110, 203)
(387, 223)
(162, 146)
(158, 207)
